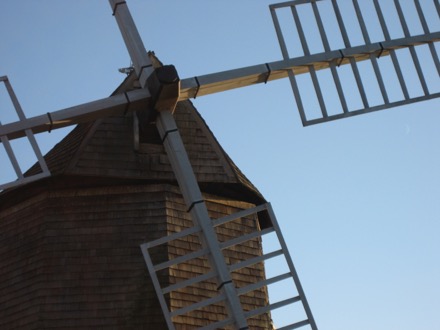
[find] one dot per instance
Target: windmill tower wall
(69, 245)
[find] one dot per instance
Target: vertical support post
(181, 165)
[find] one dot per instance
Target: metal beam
(112, 106)
(237, 78)
(141, 62)
(182, 169)
(209, 84)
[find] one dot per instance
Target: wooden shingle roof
(106, 149)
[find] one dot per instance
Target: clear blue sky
(357, 199)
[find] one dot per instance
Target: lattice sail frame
(21, 179)
(379, 68)
(285, 274)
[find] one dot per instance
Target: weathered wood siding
(22, 264)
(71, 259)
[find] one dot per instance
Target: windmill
(268, 69)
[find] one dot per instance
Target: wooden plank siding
(82, 266)
(73, 259)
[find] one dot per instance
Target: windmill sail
(21, 179)
(360, 87)
(288, 278)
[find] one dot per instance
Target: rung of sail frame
(422, 60)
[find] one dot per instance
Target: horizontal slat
(189, 282)
(181, 259)
(239, 214)
(295, 325)
(289, 3)
(255, 260)
(171, 237)
(198, 305)
(266, 282)
(245, 238)
(372, 109)
(24, 180)
(271, 307)
(217, 325)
